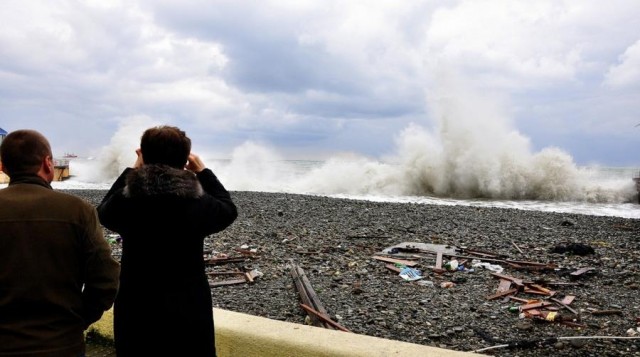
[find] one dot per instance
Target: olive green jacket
(57, 275)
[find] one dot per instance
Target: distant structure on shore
(637, 180)
(61, 166)
(3, 177)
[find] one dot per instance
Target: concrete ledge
(245, 335)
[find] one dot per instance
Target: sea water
(603, 191)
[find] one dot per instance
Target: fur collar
(154, 180)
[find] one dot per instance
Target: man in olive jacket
(57, 275)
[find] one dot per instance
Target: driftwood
(246, 278)
(310, 299)
(325, 318)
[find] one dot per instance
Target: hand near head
(194, 163)
(139, 160)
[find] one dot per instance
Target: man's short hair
(22, 151)
(166, 145)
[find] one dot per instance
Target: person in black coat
(163, 208)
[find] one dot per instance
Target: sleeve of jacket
(218, 201)
(109, 211)
(101, 271)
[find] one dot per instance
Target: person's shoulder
(71, 200)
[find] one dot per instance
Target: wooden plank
(227, 282)
(325, 318)
(408, 263)
(542, 288)
(536, 305)
(218, 273)
(393, 268)
(304, 296)
(524, 301)
(315, 301)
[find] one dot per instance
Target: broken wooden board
(408, 263)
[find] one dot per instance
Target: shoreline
(629, 210)
(334, 240)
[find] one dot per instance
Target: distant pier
(61, 169)
(60, 173)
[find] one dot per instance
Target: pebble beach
(335, 241)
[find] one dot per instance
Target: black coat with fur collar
(163, 215)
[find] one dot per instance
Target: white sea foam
(605, 191)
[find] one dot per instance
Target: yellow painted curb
(245, 335)
(103, 327)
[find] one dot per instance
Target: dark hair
(22, 151)
(166, 145)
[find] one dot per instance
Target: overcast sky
(314, 78)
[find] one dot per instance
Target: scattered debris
(244, 274)
(536, 299)
(415, 250)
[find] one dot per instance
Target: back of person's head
(22, 152)
(166, 145)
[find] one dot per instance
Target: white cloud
(627, 72)
(519, 45)
(335, 74)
